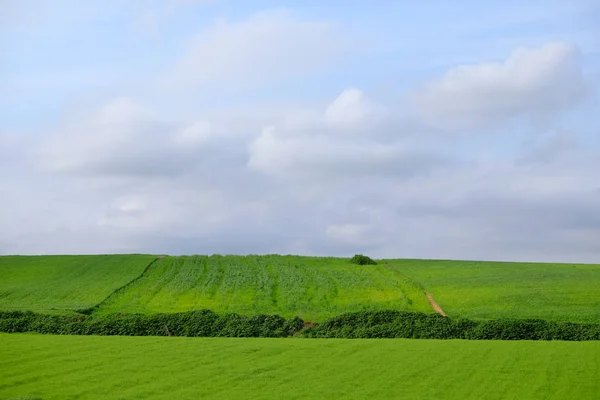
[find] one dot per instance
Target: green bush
(365, 324)
(399, 324)
(193, 323)
(362, 260)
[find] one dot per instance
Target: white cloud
(336, 179)
(159, 206)
(288, 156)
(531, 82)
(323, 145)
(123, 138)
(306, 142)
(272, 169)
(197, 133)
(348, 110)
(267, 47)
(479, 210)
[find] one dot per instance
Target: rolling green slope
(309, 287)
(59, 284)
(79, 367)
(487, 290)
(313, 288)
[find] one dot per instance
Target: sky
(440, 130)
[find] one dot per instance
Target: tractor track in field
(91, 309)
(436, 307)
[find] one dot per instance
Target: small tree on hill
(362, 260)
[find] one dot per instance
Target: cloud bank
(485, 160)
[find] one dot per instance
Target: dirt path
(436, 307)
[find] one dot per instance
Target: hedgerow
(366, 324)
(193, 323)
(398, 324)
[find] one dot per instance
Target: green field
(83, 367)
(310, 287)
(59, 284)
(489, 290)
(96, 367)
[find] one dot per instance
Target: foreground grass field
(309, 287)
(82, 367)
(487, 290)
(59, 284)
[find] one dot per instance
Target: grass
(88, 367)
(313, 288)
(93, 367)
(487, 290)
(60, 284)
(309, 287)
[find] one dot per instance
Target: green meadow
(313, 288)
(490, 290)
(63, 284)
(309, 287)
(93, 367)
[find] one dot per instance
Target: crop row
(313, 288)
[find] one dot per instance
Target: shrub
(360, 259)
(364, 324)
(400, 324)
(194, 323)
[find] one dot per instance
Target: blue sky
(56, 51)
(295, 110)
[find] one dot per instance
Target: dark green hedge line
(398, 324)
(194, 323)
(367, 324)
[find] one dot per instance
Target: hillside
(310, 287)
(487, 290)
(59, 284)
(313, 288)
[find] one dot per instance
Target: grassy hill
(87, 367)
(310, 287)
(314, 288)
(486, 290)
(59, 284)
